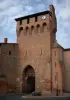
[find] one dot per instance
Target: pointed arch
(32, 29)
(44, 27)
(38, 28)
(20, 30)
(27, 30)
(28, 77)
(29, 67)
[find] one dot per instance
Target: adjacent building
(36, 62)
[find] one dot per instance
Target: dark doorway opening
(28, 85)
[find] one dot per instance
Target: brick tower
(35, 36)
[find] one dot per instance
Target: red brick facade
(36, 48)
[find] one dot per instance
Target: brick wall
(35, 49)
(9, 62)
(67, 71)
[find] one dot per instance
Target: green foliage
(3, 76)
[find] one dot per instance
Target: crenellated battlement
(33, 29)
(33, 19)
(37, 23)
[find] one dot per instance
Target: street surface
(21, 97)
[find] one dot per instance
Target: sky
(11, 9)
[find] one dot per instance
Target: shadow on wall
(6, 88)
(28, 85)
(3, 84)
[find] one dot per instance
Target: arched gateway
(28, 85)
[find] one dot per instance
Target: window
(25, 54)
(55, 53)
(3, 52)
(38, 28)
(28, 21)
(27, 30)
(20, 30)
(36, 19)
(14, 45)
(55, 77)
(44, 27)
(20, 22)
(32, 29)
(41, 51)
(9, 52)
(55, 64)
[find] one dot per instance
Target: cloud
(63, 20)
(11, 9)
(40, 7)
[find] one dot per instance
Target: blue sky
(11, 9)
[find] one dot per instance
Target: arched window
(44, 27)
(20, 30)
(32, 29)
(38, 28)
(27, 30)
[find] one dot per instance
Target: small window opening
(28, 21)
(55, 77)
(26, 53)
(21, 28)
(9, 52)
(38, 28)
(41, 51)
(36, 19)
(13, 45)
(20, 22)
(3, 52)
(55, 64)
(55, 53)
(44, 27)
(27, 30)
(32, 29)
